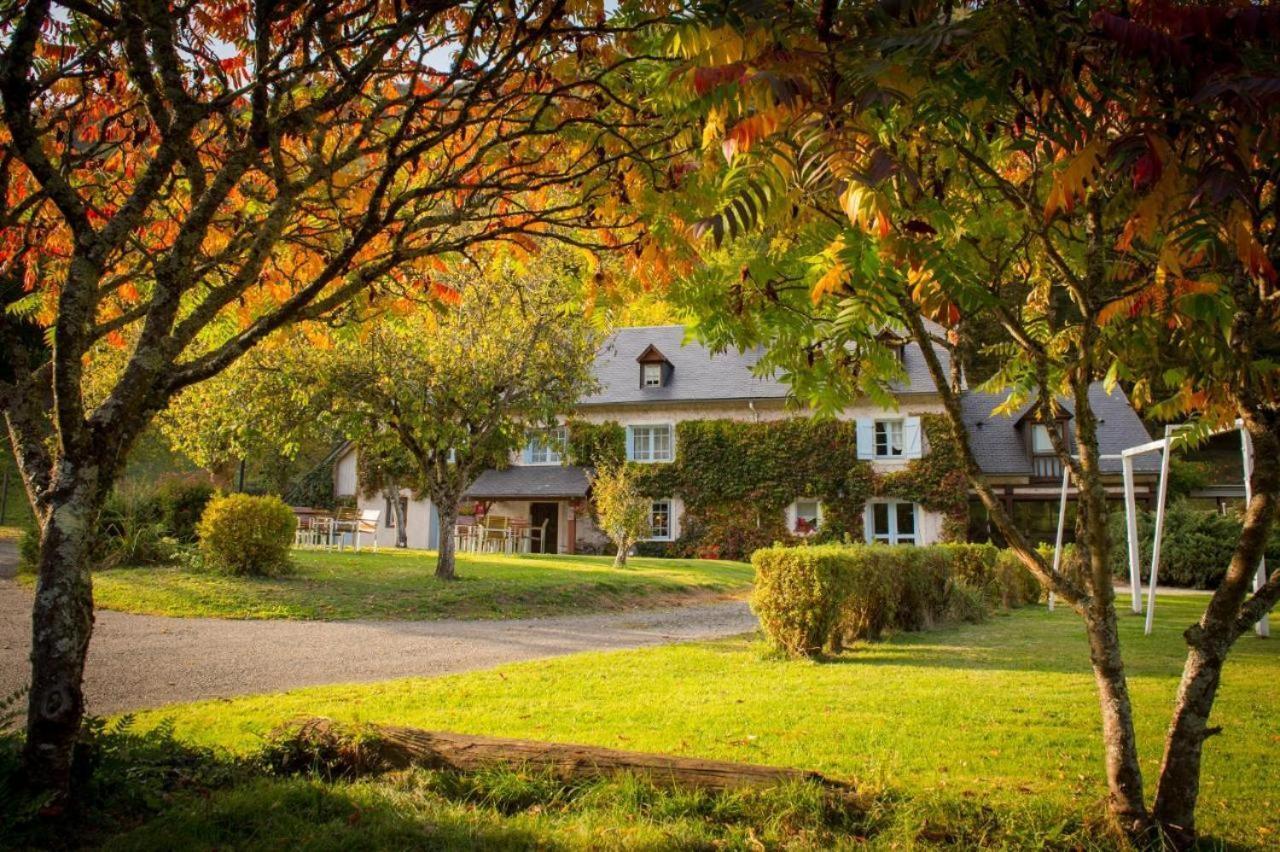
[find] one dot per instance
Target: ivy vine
(736, 479)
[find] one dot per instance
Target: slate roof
(1000, 447)
(530, 482)
(698, 375)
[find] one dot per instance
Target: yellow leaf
(830, 282)
(1071, 182)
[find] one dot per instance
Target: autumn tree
(622, 511)
(385, 468)
(457, 389)
(1038, 171)
(182, 180)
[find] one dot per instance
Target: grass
(401, 585)
(996, 721)
(11, 533)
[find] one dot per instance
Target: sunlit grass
(1002, 713)
(401, 585)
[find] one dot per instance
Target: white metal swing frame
(1164, 446)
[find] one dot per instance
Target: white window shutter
(868, 519)
(866, 438)
(911, 440)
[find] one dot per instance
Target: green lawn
(1000, 714)
(401, 585)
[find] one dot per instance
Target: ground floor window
(806, 516)
(892, 522)
(660, 520)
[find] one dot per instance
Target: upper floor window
(546, 446)
(888, 439)
(1041, 441)
(892, 522)
(651, 443)
(651, 375)
(660, 520)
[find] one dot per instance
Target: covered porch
(526, 509)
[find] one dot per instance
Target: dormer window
(1041, 440)
(655, 369)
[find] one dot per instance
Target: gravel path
(140, 661)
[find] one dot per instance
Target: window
(389, 514)
(888, 439)
(660, 520)
(651, 443)
(806, 516)
(651, 375)
(545, 446)
(1041, 443)
(893, 523)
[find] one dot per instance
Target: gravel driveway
(140, 661)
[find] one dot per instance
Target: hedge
(815, 598)
(737, 478)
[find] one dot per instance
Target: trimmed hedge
(244, 534)
(813, 598)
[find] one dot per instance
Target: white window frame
(670, 504)
(650, 457)
(793, 515)
(651, 375)
(892, 536)
(542, 441)
(886, 423)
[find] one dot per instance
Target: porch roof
(530, 482)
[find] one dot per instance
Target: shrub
(131, 531)
(1195, 550)
(799, 593)
(181, 502)
(813, 597)
(1016, 585)
(245, 534)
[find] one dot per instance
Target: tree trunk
(447, 509)
(61, 624)
(1209, 642)
(620, 558)
(394, 747)
(1124, 772)
(391, 493)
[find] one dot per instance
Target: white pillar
(1131, 528)
(1062, 520)
(1155, 545)
(1263, 627)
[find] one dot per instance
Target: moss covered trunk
(61, 625)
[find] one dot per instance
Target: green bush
(799, 593)
(811, 598)
(181, 502)
(1195, 550)
(244, 534)
(1015, 584)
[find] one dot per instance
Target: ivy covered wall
(737, 479)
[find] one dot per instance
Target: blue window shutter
(912, 445)
(526, 455)
(630, 445)
(866, 439)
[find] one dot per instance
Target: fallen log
(388, 747)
